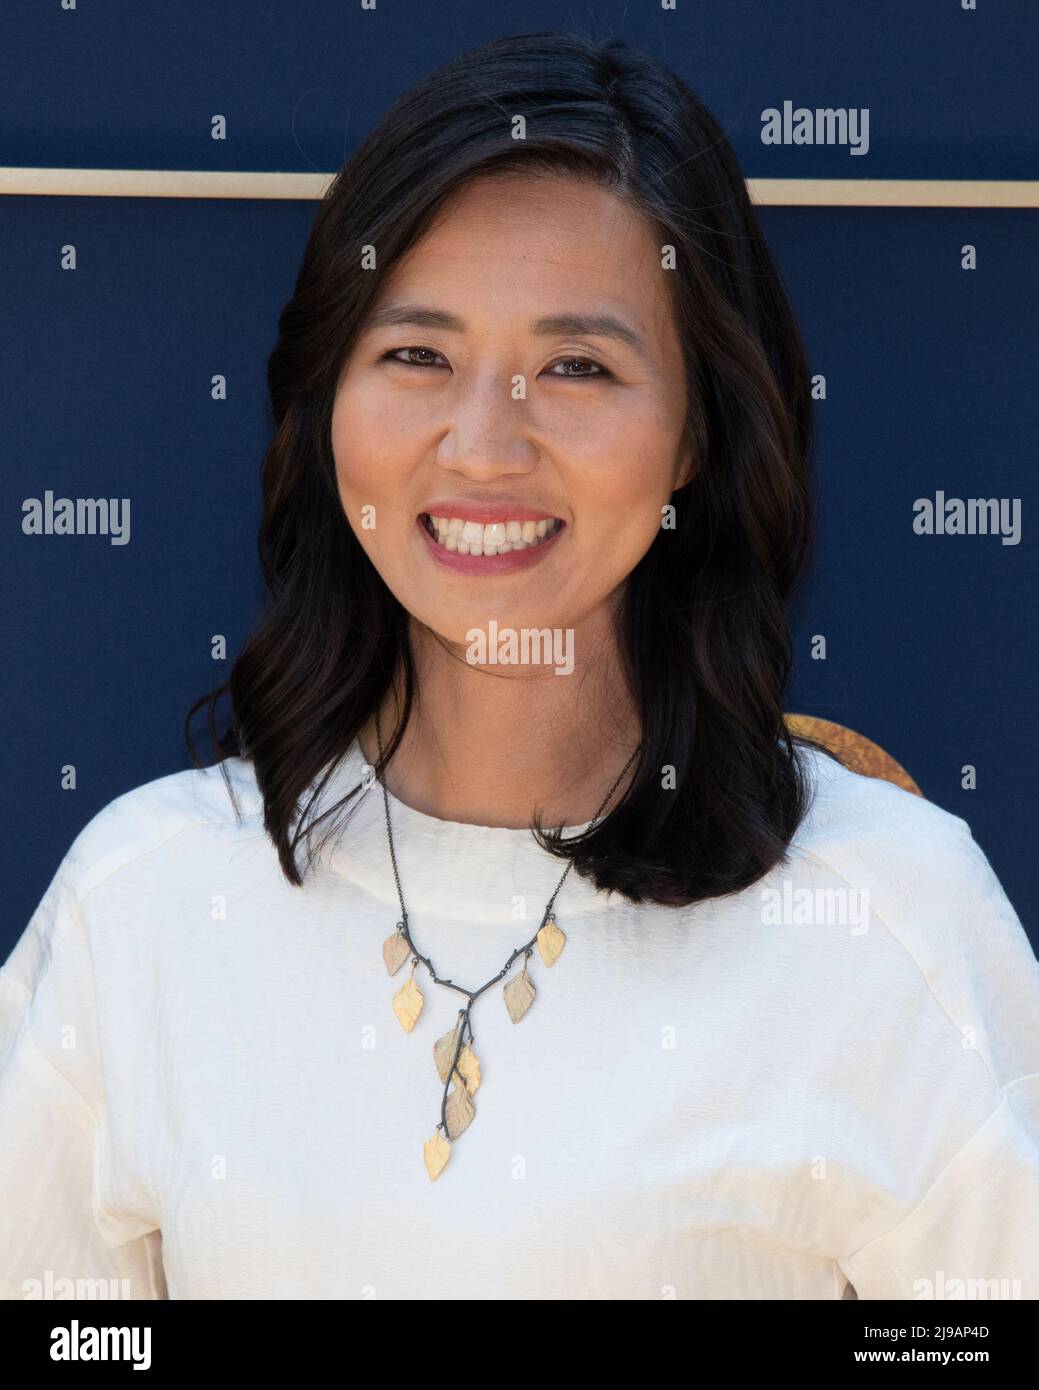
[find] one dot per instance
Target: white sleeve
(60, 1230)
(969, 1228)
(975, 1232)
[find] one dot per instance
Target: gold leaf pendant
(407, 1003)
(444, 1052)
(550, 941)
(458, 1112)
(467, 1066)
(395, 952)
(435, 1153)
(460, 1068)
(519, 995)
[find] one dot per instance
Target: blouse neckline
(448, 868)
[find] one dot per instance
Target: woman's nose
(487, 428)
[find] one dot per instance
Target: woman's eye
(407, 356)
(580, 362)
(392, 356)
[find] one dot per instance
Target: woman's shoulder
(846, 805)
(928, 880)
(929, 887)
(871, 830)
(148, 816)
(125, 832)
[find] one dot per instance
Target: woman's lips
(487, 564)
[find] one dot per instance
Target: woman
(734, 1022)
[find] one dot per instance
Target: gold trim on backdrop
(896, 193)
(161, 183)
(207, 183)
(853, 749)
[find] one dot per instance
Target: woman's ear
(686, 469)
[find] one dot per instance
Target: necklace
(456, 1063)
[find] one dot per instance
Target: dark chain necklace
(453, 1054)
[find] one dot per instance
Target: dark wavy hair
(701, 628)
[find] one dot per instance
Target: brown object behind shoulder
(856, 751)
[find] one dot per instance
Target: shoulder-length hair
(719, 786)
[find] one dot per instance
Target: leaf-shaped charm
(550, 941)
(435, 1153)
(469, 1068)
(395, 952)
(407, 1004)
(519, 995)
(444, 1052)
(458, 1112)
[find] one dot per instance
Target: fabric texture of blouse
(824, 1086)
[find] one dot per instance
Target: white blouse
(825, 1084)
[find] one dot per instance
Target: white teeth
(496, 538)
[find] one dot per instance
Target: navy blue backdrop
(931, 369)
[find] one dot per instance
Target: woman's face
(472, 392)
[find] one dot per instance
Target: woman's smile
(499, 547)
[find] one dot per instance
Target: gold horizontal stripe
(161, 183)
(204, 183)
(897, 193)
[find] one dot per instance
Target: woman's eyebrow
(582, 325)
(591, 326)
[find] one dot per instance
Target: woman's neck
(486, 745)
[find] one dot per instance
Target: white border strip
(201, 183)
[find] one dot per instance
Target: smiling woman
(493, 407)
(538, 293)
(538, 380)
